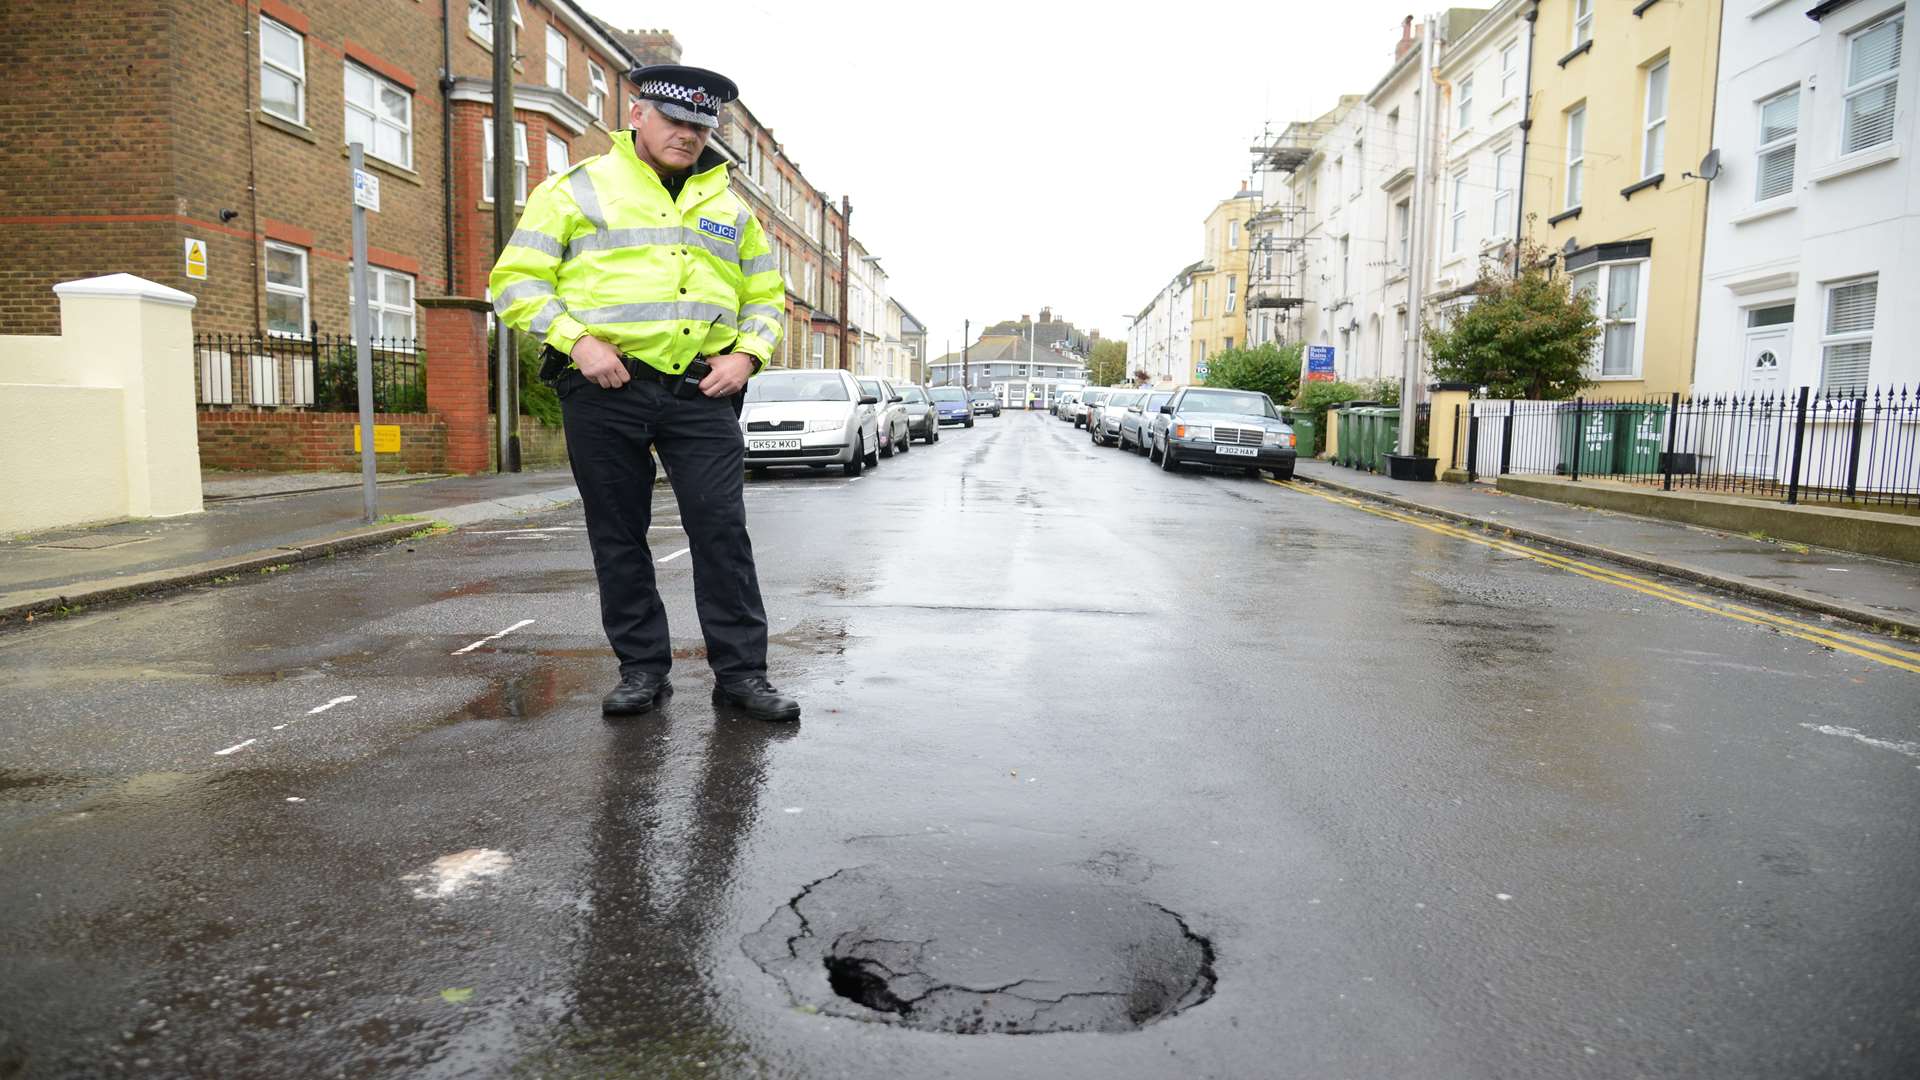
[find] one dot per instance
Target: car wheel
(1153, 452)
(759, 472)
(886, 445)
(873, 458)
(905, 442)
(1167, 464)
(858, 462)
(1285, 473)
(969, 421)
(1253, 473)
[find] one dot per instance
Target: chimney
(1243, 185)
(1046, 314)
(651, 46)
(1406, 39)
(1025, 319)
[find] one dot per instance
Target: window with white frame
(1779, 143)
(1233, 234)
(556, 59)
(1503, 173)
(480, 20)
(808, 289)
(379, 116)
(1617, 291)
(1403, 230)
(1873, 84)
(1653, 145)
(390, 307)
(1346, 265)
(1339, 178)
(1463, 116)
(519, 160)
(1233, 293)
(557, 157)
(1359, 167)
(597, 91)
(1846, 344)
(1576, 154)
(1457, 222)
(287, 308)
(1582, 22)
(1509, 69)
(283, 72)
(1203, 297)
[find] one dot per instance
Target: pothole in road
(1019, 957)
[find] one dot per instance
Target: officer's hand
(600, 362)
(729, 375)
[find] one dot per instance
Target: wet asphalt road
(1436, 809)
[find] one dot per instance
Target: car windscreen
(870, 387)
(1094, 398)
(947, 393)
(1154, 401)
(913, 394)
(1122, 400)
(798, 386)
(1228, 401)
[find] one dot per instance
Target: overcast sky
(1006, 155)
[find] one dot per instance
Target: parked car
(814, 418)
(896, 434)
(950, 405)
(1134, 422)
(986, 405)
(1088, 399)
(1063, 405)
(1103, 423)
(923, 422)
(1221, 429)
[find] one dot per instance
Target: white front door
(1766, 368)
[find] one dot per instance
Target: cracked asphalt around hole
(1437, 810)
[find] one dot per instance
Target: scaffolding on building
(1276, 272)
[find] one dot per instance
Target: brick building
(139, 126)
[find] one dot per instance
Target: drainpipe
(1425, 144)
(446, 132)
(1526, 127)
(1706, 208)
(251, 63)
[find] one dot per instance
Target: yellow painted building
(1622, 106)
(1220, 282)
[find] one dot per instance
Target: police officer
(657, 296)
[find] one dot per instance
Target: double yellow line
(1864, 647)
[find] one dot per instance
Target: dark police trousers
(698, 438)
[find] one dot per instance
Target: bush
(1527, 335)
(1274, 370)
(537, 399)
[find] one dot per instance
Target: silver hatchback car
(814, 418)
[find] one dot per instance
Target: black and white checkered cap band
(697, 97)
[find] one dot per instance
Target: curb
(1873, 620)
(19, 609)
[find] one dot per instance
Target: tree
(1527, 335)
(1272, 369)
(1109, 364)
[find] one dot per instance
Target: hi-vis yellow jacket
(602, 249)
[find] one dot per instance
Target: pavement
(252, 523)
(1879, 593)
(1203, 775)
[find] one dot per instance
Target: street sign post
(1320, 364)
(366, 196)
(1200, 370)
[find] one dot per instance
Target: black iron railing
(1799, 446)
(318, 372)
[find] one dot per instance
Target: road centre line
(493, 637)
(1911, 749)
(1866, 648)
(235, 747)
(664, 560)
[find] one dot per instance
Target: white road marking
(669, 558)
(493, 637)
(1911, 749)
(342, 700)
(295, 798)
(518, 532)
(855, 480)
(236, 747)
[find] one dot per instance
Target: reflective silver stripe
(768, 342)
(587, 199)
(759, 264)
(740, 222)
(662, 312)
(714, 244)
(607, 239)
(520, 290)
(537, 241)
(767, 311)
(543, 321)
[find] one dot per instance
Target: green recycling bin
(1639, 438)
(1349, 435)
(1305, 435)
(1586, 440)
(1386, 437)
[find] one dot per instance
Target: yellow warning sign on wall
(196, 259)
(386, 438)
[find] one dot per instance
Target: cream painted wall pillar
(1441, 432)
(125, 331)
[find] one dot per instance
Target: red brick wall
(457, 364)
(314, 441)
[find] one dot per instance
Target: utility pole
(966, 374)
(1417, 251)
(846, 275)
(506, 357)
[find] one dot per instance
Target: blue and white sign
(1320, 364)
(1200, 370)
(366, 190)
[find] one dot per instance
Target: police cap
(690, 95)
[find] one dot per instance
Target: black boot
(638, 691)
(756, 697)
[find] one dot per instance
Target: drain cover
(1044, 954)
(93, 543)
